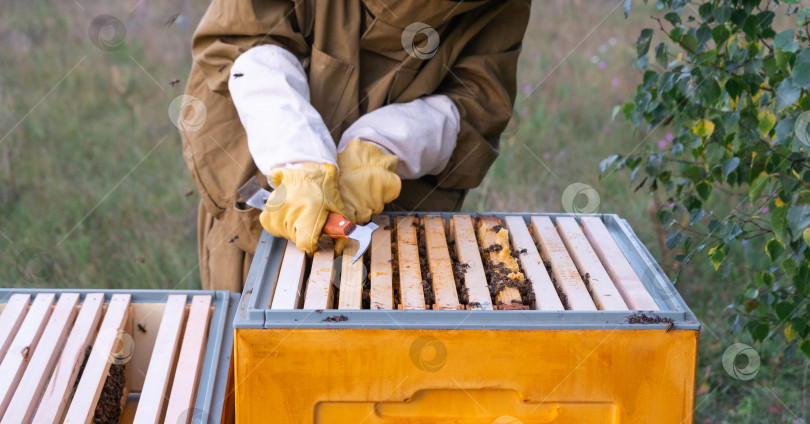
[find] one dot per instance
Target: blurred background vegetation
(95, 192)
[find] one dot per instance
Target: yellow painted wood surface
(586, 376)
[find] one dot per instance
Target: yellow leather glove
(298, 208)
(367, 180)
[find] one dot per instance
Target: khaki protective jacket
(355, 60)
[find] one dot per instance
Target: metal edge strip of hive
(664, 289)
(138, 296)
(468, 320)
(211, 399)
(260, 282)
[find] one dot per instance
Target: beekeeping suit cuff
(269, 88)
(421, 134)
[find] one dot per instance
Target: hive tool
(336, 226)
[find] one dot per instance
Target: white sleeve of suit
(269, 88)
(422, 134)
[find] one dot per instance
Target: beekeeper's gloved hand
(304, 196)
(367, 180)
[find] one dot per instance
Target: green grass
(94, 185)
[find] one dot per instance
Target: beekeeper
(344, 106)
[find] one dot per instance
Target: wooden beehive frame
(57, 355)
(465, 262)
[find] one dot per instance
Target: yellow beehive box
(458, 319)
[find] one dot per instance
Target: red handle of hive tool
(337, 226)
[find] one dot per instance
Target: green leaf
(756, 188)
(798, 217)
(690, 42)
(806, 236)
(774, 248)
(766, 122)
(787, 93)
(805, 347)
(673, 239)
(704, 189)
(616, 110)
(673, 18)
(785, 40)
(729, 166)
(779, 224)
(784, 129)
(717, 255)
(720, 34)
(801, 75)
(789, 265)
(643, 42)
(760, 332)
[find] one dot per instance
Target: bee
(140, 260)
(171, 19)
(669, 328)
(174, 82)
(392, 262)
(189, 193)
(142, 328)
(234, 238)
(235, 76)
(221, 68)
(25, 353)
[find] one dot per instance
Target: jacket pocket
(239, 224)
(328, 77)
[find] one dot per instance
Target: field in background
(95, 192)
